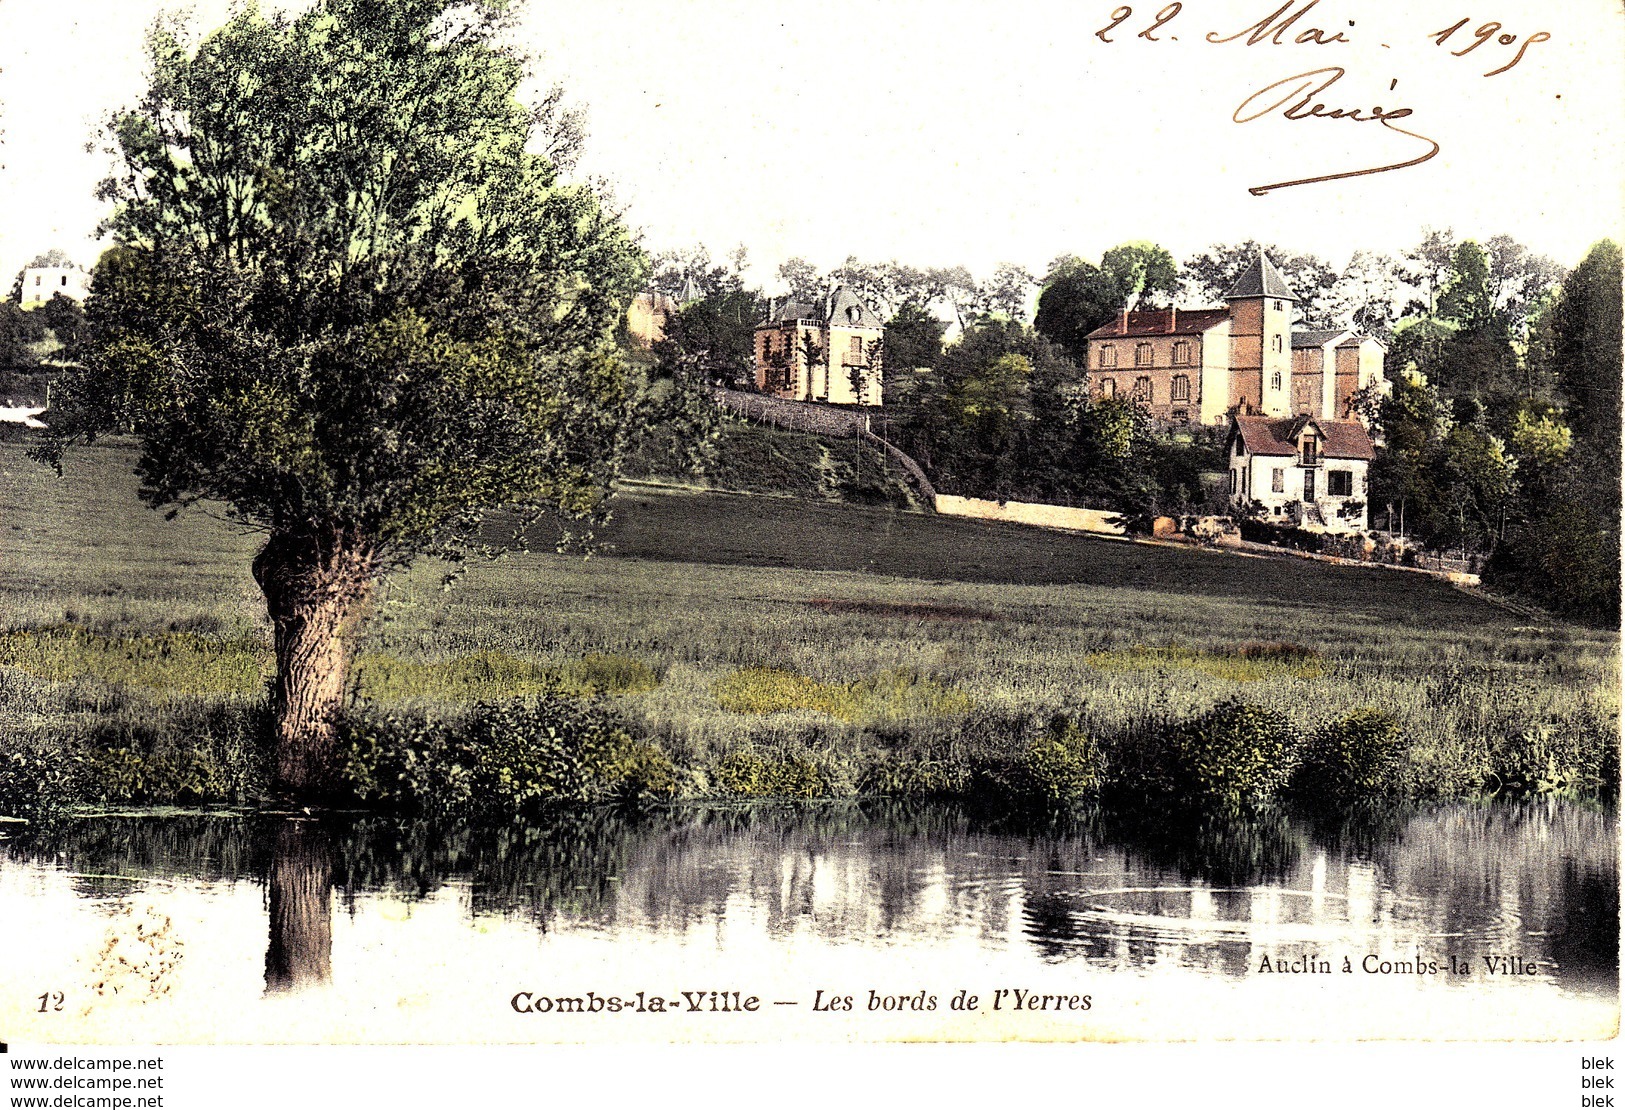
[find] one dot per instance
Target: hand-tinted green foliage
(1232, 758)
(37, 783)
(189, 754)
(1542, 759)
(343, 294)
(500, 758)
(1077, 299)
(748, 774)
(712, 341)
(1360, 757)
(1058, 767)
(20, 333)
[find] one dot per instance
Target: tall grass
(889, 673)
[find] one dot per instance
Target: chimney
(1122, 322)
(1173, 319)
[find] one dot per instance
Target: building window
(1108, 387)
(1278, 480)
(1181, 416)
(1275, 380)
(1182, 353)
(1340, 483)
(1181, 388)
(1277, 342)
(36, 279)
(1108, 356)
(1311, 453)
(854, 350)
(1279, 306)
(64, 281)
(1142, 354)
(1232, 483)
(1238, 447)
(1142, 389)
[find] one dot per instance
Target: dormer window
(1311, 452)
(853, 313)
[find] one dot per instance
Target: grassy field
(724, 624)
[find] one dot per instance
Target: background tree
(1144, 275)
(64, 316)
(1208, 276)
(1563, 550)
(912, 341)
(20, 333)
(712, 341)
(1365, 296)
(1008, 290)
(350, 306)
(1077, 299)
(806, 283)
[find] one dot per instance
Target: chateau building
(1199, 366)
(1305, 470)
(41, 283)
(828, 351)
(647, 315)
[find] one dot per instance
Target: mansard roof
(842, 307)
(1261, 279)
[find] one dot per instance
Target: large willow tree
(350, 303)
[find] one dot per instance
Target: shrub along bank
(497, 760)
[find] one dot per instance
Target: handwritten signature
(1295, 98)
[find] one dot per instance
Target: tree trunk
(316, 586)
(300, 885)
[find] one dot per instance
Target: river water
(837, 921)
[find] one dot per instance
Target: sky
(977, 133)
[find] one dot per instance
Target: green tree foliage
(1586, 350)
(712, 341)
(912, 341)
(349, 305)
(1077, 299)
(19, 332)
(1143, 275)
(64, 316)
(1563, 547)
(971, 421)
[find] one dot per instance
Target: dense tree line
(1499, 437)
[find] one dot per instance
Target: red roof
(1265, 435)
(1161, 321)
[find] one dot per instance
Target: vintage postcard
(633, 523)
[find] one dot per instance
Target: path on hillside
(823, 420)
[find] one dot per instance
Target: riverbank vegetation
(736, 647)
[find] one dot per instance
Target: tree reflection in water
(299, 893)
(1537, 879)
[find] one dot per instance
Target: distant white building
(1303, 467)
(41, 283)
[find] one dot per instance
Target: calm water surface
(1469, 921)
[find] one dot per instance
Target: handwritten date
(1486, 32)
(1280, 28)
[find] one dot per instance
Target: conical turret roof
(1261, 279)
